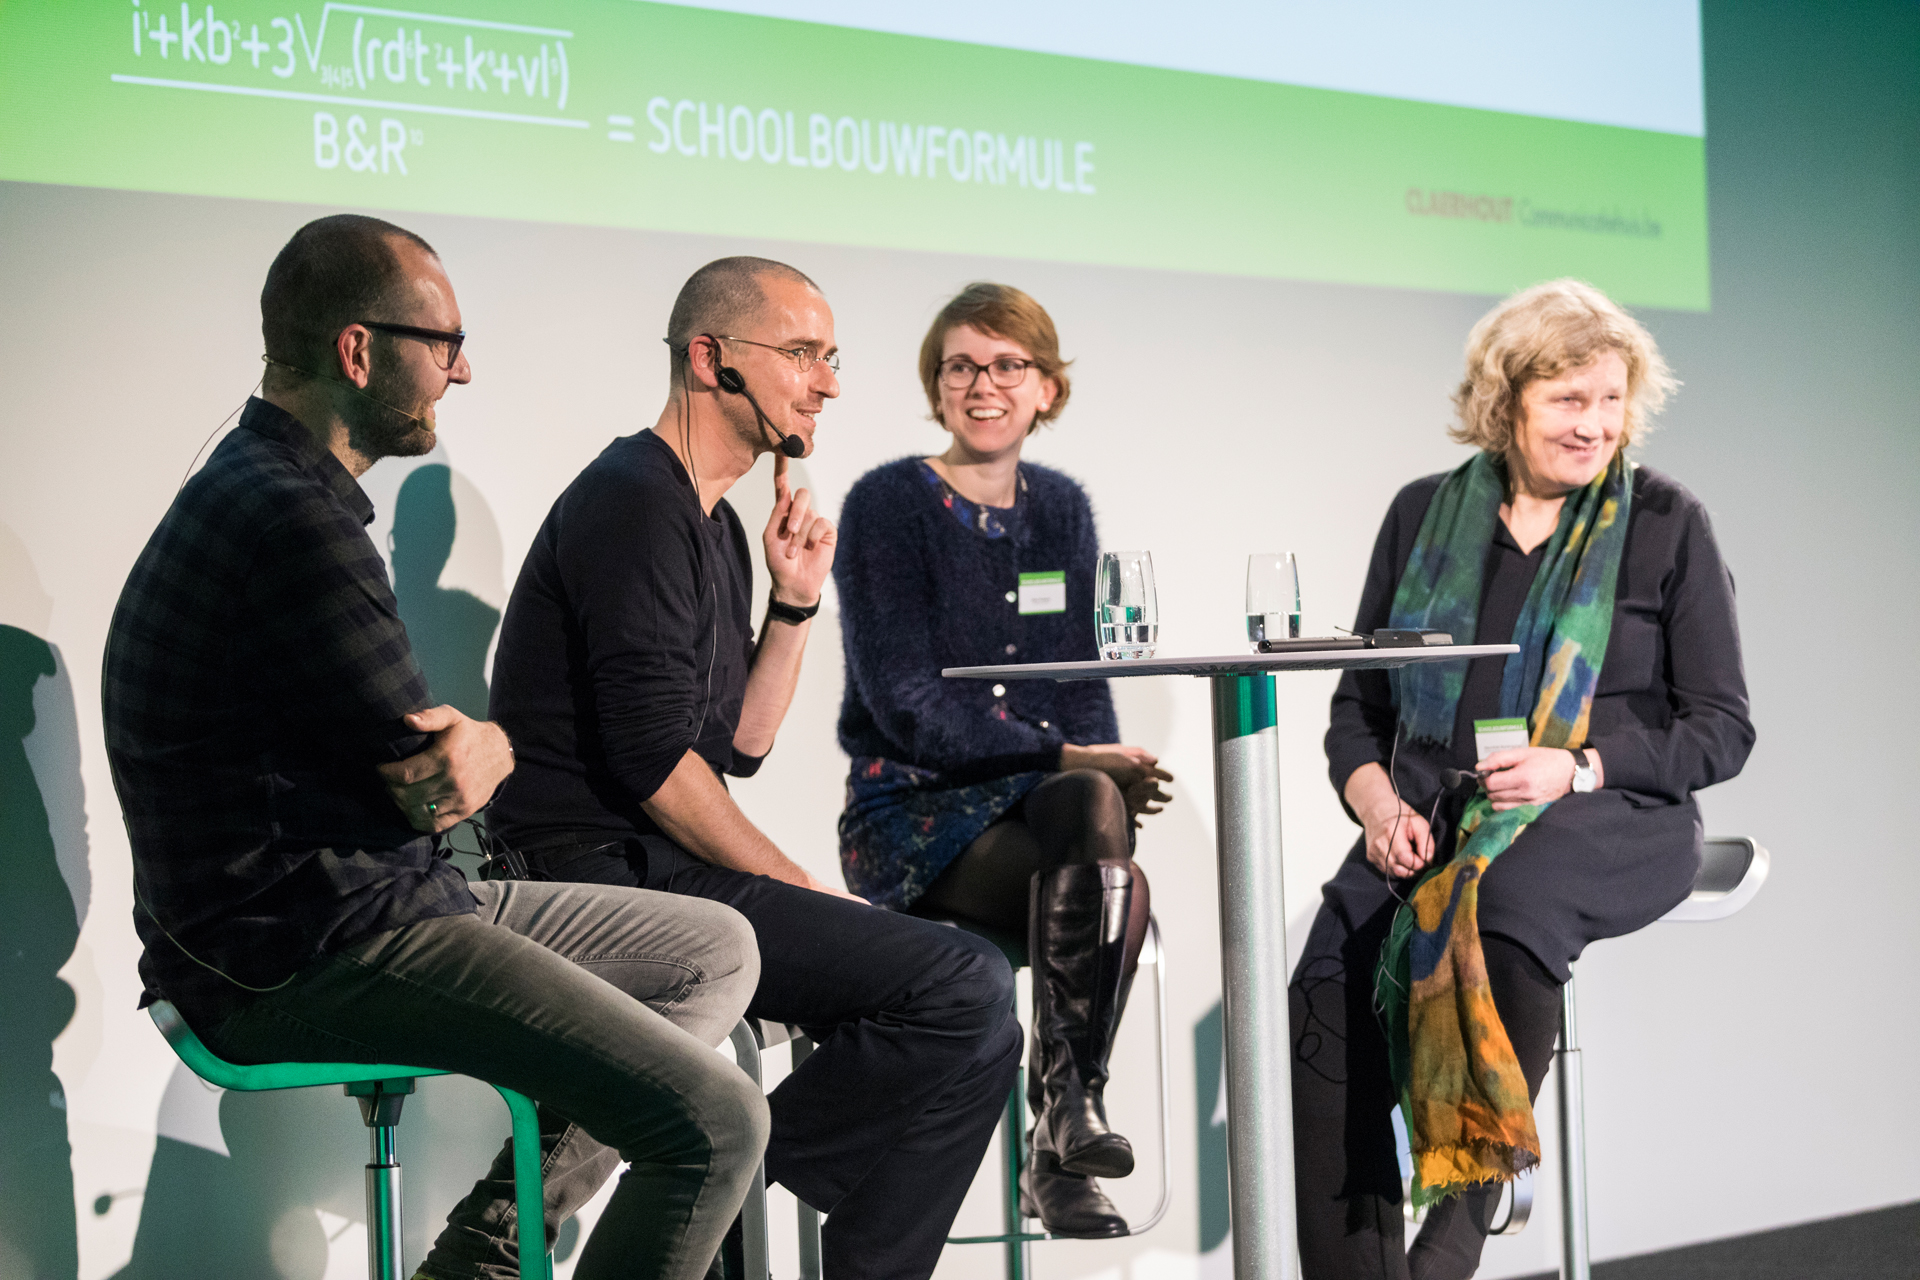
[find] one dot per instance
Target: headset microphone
(415, 419)
(730, 381)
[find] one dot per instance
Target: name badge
(1490, 736)
(1043, 592)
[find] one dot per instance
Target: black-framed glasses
(443, 346)
(959, 373)
(804, 356)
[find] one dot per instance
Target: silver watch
(1583, 775)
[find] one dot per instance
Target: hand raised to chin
(799, 543)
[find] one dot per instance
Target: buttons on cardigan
(999, 691)
(1044, 724)
(1012, 596)
(1011, 648)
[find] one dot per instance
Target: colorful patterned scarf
(1461, 1089)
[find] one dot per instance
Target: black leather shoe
(1067, 1204)
(1077, 939)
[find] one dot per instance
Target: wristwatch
(1583, 775)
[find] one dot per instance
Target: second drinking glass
(1273, 597)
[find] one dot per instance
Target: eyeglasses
(443, 346)
(803, 356)
(959, 373)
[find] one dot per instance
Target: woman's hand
(1135, 770)
(1127, 766)
(1399, 843)
(1531, 775)
(1145, 797)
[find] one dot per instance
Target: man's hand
(820, 886)
(455, 776)
(1531, 775)
(798, 543)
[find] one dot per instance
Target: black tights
(1348, 1189)
(1074, 817)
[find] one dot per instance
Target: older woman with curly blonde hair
(1513, 809)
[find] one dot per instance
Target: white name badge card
(1043, 592)
(1490, 736)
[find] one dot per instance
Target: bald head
(723, 298)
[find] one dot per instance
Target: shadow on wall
(251, 1185)
(39, 929)
(1210, 1114)
(449, 629)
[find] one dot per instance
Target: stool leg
(753, 1211)
(529, 1194)
(1573, 1146)
(383, 1207)
(809, 1216)
(380, 1102)
(1013, 1142)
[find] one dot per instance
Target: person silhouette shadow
(450, 630)
(38, 931)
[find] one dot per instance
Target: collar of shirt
(267, 419)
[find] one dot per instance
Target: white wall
(1211, 417)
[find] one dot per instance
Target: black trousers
(1347, 1173)
(883, 1127)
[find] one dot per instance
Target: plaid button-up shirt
(256, 672)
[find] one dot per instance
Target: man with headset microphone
(632, 683)
(282, 771)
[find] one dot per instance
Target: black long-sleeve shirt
(256, 672)
(626, 643)
(1670, 712)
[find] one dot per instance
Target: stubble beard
(378, 430)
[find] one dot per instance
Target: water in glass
(1125, 610)
(1273, 597)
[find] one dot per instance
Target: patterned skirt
(903, 825)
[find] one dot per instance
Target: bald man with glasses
(633, 684)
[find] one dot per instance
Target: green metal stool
(380, 1089)
(1015, 1236)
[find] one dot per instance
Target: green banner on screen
(615, 113)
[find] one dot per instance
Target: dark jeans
(883, 1127)
(601, 1004)
(1347, 1175)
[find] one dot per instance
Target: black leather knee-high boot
(1077, 936)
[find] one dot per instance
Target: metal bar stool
(1732, 869)
(380, 1089)
(1013, 1125)
(750, 1038)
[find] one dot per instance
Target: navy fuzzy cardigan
(920, 591)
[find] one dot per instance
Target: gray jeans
(602, 1004)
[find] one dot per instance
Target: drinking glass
(1273, 597)
(1126, 612)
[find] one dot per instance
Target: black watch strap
(790, 612)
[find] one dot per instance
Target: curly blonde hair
(1543, 332)
(1004, 312)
